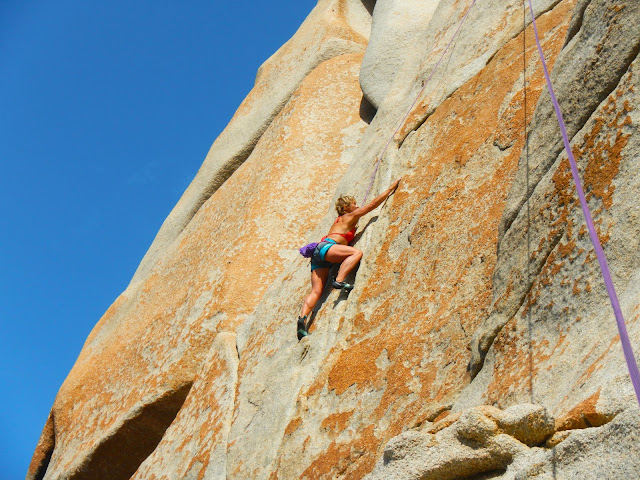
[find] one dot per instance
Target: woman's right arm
(360, 211)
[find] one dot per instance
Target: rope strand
(632, 366)
(526, 144)
(384, 150)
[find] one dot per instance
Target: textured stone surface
(529, 424)
(217, 270)
(606, 26)
(568, 309)
(398, 26)
(195, 371)
(333, 28)
(605, 144)
(202, 426)
(474, 445)
(44, 449)
(425, 280)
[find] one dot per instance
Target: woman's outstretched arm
(360, 211)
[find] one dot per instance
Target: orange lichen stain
(583, 231)
(584, 415)
(444, 422)
(317, 386)
(349, 461)
(108, 315)
(396, 385)
(612, 23)
(360, 320)
(356, 365)
(576, 287)
(442, 416)
(604, 151)
(337, 422)
(556, 267)
(274, 475)
(293, 426)
(427, 378)
(601, 151)
(159, 340)
(518, 364)
(305, 444)
(597, 363)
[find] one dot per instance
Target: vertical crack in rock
(568, 77)
(483, 338)
(369, 5)
(416, 121)
(584, 75)
(120, 455)
(576, 21)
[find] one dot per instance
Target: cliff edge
(478, 342)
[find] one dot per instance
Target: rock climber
(334, 249)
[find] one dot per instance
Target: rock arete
(478, 342)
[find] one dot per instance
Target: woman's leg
(348, 257)
(318, 279)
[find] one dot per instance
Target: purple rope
(602, 259)
(366, 195)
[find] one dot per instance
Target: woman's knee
(357, 254)
(315, 291)
(311, 299)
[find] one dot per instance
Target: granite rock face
(334, 27)
(478, 342)
(398, 29)
(478, 443)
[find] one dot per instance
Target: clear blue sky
(107, 110)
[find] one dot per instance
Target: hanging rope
(384, 150)
(634, 373)
(526, 152)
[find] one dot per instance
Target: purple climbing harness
(307, 250)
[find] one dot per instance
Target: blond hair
(343, 202)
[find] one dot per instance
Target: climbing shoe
(347, 287)
(302, 327)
